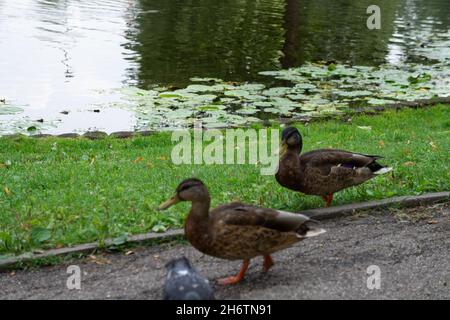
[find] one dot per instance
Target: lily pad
(169, 95)
(247, 111)
(211, 107)
(6, 109)
(198, 88)
(277, 91)
(199, 79)
(237, 93)
(304, 86)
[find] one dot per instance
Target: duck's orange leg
(235, 279)
(328, 198)
(268, 262)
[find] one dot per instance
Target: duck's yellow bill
(283, 149)
(169, 203)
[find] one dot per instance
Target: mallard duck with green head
(322, 172)
(237, 231)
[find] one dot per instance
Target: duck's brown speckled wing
(327, 171)
(242, 231)
(242, 214)
(325, 159)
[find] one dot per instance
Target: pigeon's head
(179, 264)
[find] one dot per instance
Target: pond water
(62, 61)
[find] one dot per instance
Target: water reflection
(67, 54)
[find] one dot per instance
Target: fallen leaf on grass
(381, 143)
(409, 163)
(7, 191)
(138, 159)
(433, 146)
(161, 158)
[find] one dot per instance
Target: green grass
(58, 192)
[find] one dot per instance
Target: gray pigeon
(183, 282)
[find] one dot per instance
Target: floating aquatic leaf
(237, 93)
(273, 110)
(247, 111)
(211, 107)
(424, 77)
(328, 110)
(198, 88)
(331, 67)
(251, 87)
(308, 107)
(179, 114)
(204, 97)
(344, 71)
(355, 93)
(277, 91)
(298, 96)
(270, 73)
(6, 109)
(169, 95)
(227, 100)
(215, 113)
(283, 102)
(255, 97)
(304, 86)
(318, 101)
(199, 79)
(263, 104)
(133, 91)
(216, 125)
(379, 102)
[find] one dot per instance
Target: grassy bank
(58, 192)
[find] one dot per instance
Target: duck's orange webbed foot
(237, 278)
(328, 198)
(268, 262)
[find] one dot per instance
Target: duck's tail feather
(377, 168)
(383, 170)
(313, 232)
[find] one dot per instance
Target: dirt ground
(410, 246)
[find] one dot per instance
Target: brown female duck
(237, 231)
(325, 171)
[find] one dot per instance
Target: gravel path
(413, 257)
